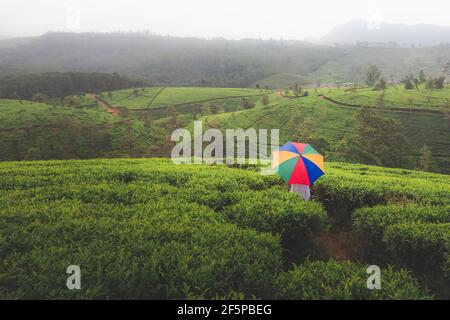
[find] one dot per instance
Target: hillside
(335, 123)
(139, 122)
(170, 61)
(149, 229)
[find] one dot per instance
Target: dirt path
(155, 96)
(107, 106)
(334, 247)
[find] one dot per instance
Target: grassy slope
(282, 80)
(20, 113)
(395, 96)
(351, 64)
(333, 122)
(166, 97)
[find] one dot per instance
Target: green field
(164, 97)
(333, 122)
(394, 96)
(151, 229)
(20, 113)
(150, 120)
(282, 81)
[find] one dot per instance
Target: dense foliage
(152, 229)
(332, 280)
(51, 85)
(170, 61)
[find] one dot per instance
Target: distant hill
(401, 34)
(170, 61)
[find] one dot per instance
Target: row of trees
(378, 140)
(374, 79)
(56, 85)
(411, 82)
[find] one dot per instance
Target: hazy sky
(287, 19)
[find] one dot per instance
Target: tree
(425, 158)
(422, 77)
(265, 100)
(39, 97)
(381, 85)
(416, 83)
(296, 89)
(246, 104)
(439, 83)
(258, 86)
(380, 140)
(408, 81)
(373, 74)
(429, 84)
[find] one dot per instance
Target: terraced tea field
(152, 229)
(164, 97)
(147, 116)
(394, 97)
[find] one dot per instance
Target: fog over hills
(176, 61)
(403, 35)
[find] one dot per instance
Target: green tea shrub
(346, 188)
(420, 246)
(371, 223)
(279, 212)
(132, 252)
(331, 280)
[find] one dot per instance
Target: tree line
(57, 85)
(375, 79)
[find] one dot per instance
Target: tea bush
(279, 212)
(420, 246)
(371, 223)
(319, 280)
(154, 230)
(151, 252)
(347, 187)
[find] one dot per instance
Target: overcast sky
(287, 19)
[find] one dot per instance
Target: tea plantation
(149, 229)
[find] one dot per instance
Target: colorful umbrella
(298, 163)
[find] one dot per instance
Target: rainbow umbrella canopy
(298, 163)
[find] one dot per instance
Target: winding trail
(109, 108)
(155, 96)
(334, 247)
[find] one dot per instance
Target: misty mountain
(401, 34)
(171, 61)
